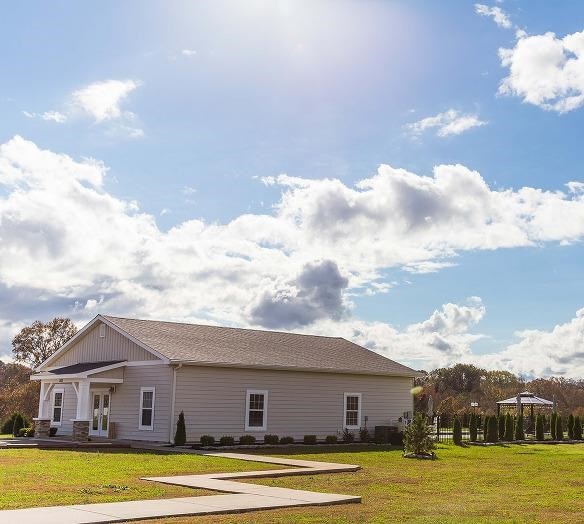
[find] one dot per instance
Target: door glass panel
(105, 413)
(96, 403)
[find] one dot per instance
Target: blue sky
(190, 112)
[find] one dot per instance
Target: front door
(100, 414)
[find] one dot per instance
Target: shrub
(53, 432)
(348, 437)
(492, 429)
(485, 427)
(180, 437)
(364, 435)
(247, 440)
(501, 428)
(472, 428)
(508, 428)
(519, 433)
(271, 439)
(396, 438)
(559, 428)
(8, 424)
(310, 439)
(26, 432)
(287, 440)
(571, 426)
(457, 432)
(227, 441)
(418, 437)
(553, 425)
(577, 428)
(539, 433)
(331, 439)
(208, 440)
(18, 424)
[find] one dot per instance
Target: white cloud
(496, 13)
(50, 116)
(102, 100)
(546, 71)
(188, 52)
(322, 242)
(451, 122)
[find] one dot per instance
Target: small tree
(18, 425)
(457, 432)
(519, 433)
(501, 428)
(472, 427)
(508, 427)
(485, 427)
(539, 434)
(571, 426)
(418, 438)
(553, 425)
(180, 437)
(492, 429)
(559, 428)
(577, 428)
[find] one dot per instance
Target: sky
(407, 175)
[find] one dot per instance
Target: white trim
(263, 392)
(173, 404)
(68, 379)
(359, 410)
(57, 423)
(142, 391)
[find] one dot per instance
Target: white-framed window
(102, 331)
(352, 411)
(57, 406)
(147, 399)
(256, 410)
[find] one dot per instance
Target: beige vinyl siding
(299, 403)
(126, 403)
(93, 348)
(69, 408)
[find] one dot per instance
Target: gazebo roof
(527, 398)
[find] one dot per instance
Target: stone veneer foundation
(42, 427)
(81, 430)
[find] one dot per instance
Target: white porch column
(83, 401)
(42, 400)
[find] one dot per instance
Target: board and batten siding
(93, 348)
(125, 409)
(213, 400)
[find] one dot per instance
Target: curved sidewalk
(242, 497)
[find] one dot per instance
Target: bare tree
(37, 342)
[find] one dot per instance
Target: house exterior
(129, 379)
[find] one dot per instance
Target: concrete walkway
(242, 498)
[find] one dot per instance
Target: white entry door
(100, 414)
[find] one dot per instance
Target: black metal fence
(444, 428)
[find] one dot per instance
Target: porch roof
(81, 370)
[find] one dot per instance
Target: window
(352, 411)
(57, 407)
(146, 408)
(102, 331)
(256, 410)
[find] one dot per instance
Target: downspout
(173, 403)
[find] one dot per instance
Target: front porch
(77, 400)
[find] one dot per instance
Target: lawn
(517, 483)
(34, 477)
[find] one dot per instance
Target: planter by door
(101, 402)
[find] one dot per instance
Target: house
(129, 379)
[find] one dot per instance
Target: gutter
(173, 403)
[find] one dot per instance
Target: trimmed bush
(26, 432)
(519, 432)
(53, 432)
(472, 428)
(364, 435)
(571, 426)
(8, 424)
(287, 440)
(508, 437)
(501, 428)
(457, 432)
(539, 433)
(331, 439)
(492, 429)
(485, 427)
(227, 441)
(310, 439)
(577, 428)
(271, 439)
(553, 425)
(348, 437)
(418, 437)
(559, 428)
(208, 440)
(18, 424)
(180, 436)
(247, 440)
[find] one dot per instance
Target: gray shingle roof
(213, 345)
(82, 368)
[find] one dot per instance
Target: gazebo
(525, 399)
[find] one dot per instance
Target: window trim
(248, 393)
(360, 397)
(57, 423)
(102, 331)
(146, 389)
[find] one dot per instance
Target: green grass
(4, 437)
(34, 477)
(517, 483)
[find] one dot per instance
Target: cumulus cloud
(451, 122)
(316, 293)
(102, 100)
(49, 116)
(496, 13)
(546, 71)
